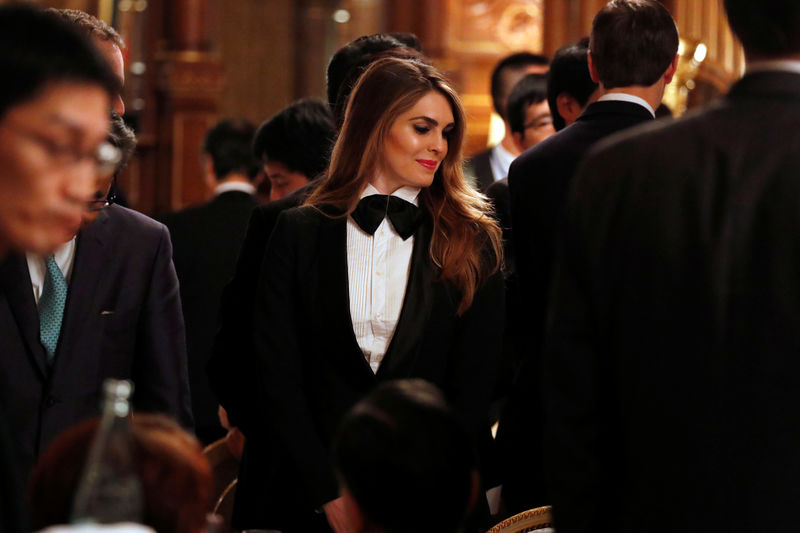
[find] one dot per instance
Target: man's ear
(568, 107)
(354, 515)
(474, 490)
(671, 69)
(518, 139)
(592, 67)
(209, 177)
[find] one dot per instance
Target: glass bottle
(110, 490)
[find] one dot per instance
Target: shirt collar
(407, 193)
(786, 65)
(501, 160)
(234, 186)
(624, 97)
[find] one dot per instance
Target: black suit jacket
(538, 181)
(205, 244)
(480, 166)
(231, 367)
(122, 320)
(232, 370)
(672, 373)
(312, 369)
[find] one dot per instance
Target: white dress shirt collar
(64, 256)
(500, 161)
(785, 65)
(624, 97)
(234, 186)
(407, 193)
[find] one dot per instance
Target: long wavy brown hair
(466, 241)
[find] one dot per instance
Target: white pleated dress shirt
(377, 268)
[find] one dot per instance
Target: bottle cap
(118, 388)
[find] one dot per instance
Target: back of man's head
(37, 49)
(229, 144)
(532, 89)
(766, 28)
(353, 54)
(508, 72)
(300, 136)
(407, 460)
(569, 73)
(351, 60)
(633, 42)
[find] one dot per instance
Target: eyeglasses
(105, 157)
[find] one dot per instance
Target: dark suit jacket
(538, 181)
(672, 373)
(231, 367)
(205, 244)
(312, 369)
(12, 491)
(481, 167)
(122, 320)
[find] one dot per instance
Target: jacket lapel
(92, 249)
(16, 282)
(417, 306)
(334, 303)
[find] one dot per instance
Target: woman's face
(415, 145)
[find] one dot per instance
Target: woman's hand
(336, 515)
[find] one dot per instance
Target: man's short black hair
(766, 28)
(569, 73)
(633, 42)
(350, 61)
(300, 136)
(229, 144)
(352, 54)
(532, 89)
(407, 459)
(409, 39)
(37, 49)
(499, 85)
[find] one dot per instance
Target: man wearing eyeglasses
(103, 304)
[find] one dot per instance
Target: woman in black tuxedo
(390, 270)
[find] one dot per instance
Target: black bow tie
(371, 210)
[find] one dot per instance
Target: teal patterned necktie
(51, 306)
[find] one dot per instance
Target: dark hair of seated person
(406, 461)
(176, 478)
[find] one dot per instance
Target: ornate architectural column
(189, 87)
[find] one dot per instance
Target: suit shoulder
(182, 217)
(498, 189)
(124, 219)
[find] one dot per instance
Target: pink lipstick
(428, 163)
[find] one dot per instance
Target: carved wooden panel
(494, 26)
(706, 22)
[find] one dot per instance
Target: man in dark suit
(48, 67)
(671, 369)
(206, 240)
(492, 164)
(103, 304)
(632, 56)
(120, 317)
